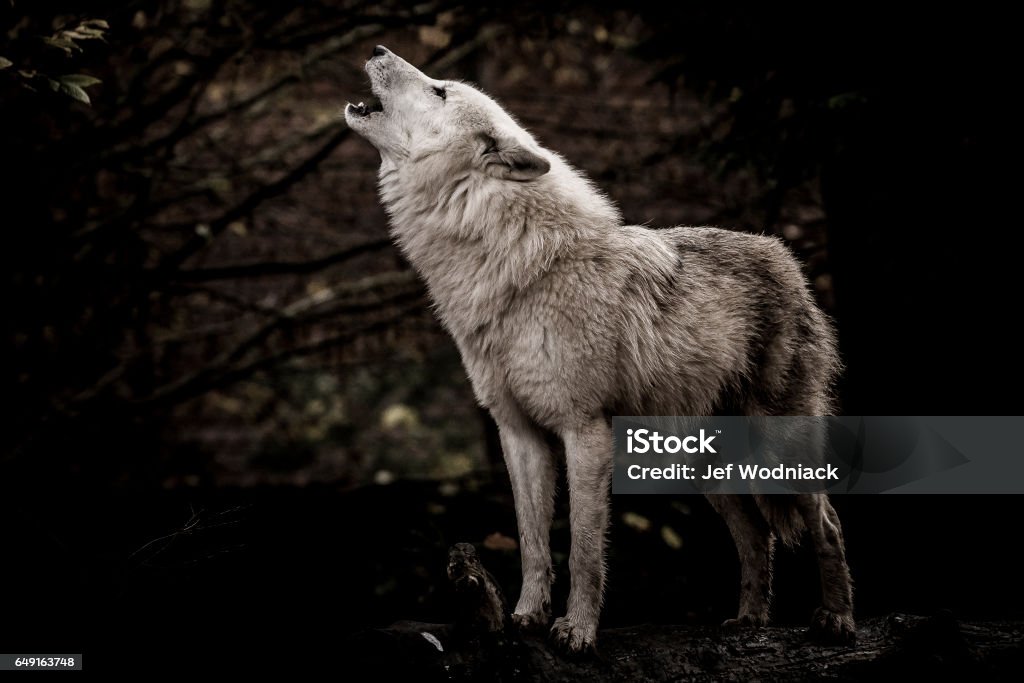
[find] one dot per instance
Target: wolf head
(419, 118)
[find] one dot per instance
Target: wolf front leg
(588, 458)
(532, 472)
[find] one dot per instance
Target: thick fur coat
(564, 317)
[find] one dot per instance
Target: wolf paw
(573, 638)
(532, 622)
(833, 627)
(746, 621)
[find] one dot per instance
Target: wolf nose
(380, 51)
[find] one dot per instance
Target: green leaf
(4, 63)
(83, 33)
(98, 23)
(74, 92)
(671, 537)
(846, 99)
(62, 44)
(81, 80)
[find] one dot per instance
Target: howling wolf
(564, 317)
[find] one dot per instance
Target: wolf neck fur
(478, 241)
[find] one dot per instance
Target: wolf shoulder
(715, 253)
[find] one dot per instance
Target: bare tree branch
(263, 268)
(229, 367)
(251, 201)
(290, 314)
(194, 122)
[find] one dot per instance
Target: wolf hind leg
(755, 546)
(833, 621)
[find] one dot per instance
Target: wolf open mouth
(363, 109)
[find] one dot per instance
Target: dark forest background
(232, 419)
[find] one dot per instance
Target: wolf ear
(508, 160)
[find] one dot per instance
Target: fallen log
(482, 645)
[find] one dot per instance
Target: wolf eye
(441, 92)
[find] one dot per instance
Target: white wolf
(564, 317)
